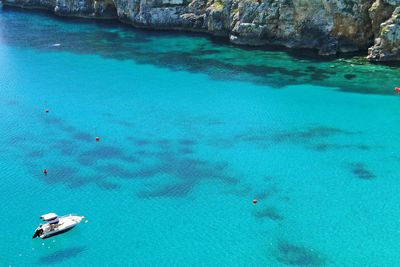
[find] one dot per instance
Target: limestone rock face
(80, 8)
(89, 8)
(379, 12)
(387, 45)
(329, 26)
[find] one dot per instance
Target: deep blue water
(191, 132)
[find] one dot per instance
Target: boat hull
(56, 233)
(57, 226)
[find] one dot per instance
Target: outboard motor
(38, 232)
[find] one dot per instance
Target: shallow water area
(191, 131)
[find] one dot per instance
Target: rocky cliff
(330, 26)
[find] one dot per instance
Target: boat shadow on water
(61, 255)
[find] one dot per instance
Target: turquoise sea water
(192, 130)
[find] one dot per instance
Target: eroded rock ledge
(330, 26)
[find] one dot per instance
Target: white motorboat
(56, 225)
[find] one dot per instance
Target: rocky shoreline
(329, 26)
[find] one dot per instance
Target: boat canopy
(48, 216)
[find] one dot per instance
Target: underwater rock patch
(296, 136)
(142, 142)
(177, 190)
(71, 177)
(187, 142)
(261, 195)
(241, 191)
(186, 151)
(326, 146)
(35, 154)
(11, 103)
(142, 153)
(53, 121)
(163, 143)
(116, 171)
(126, 124)
(360, 171)
(82, 180)
(350, 76)
(85, 161)
(19, 140)
(108, 185)
(104, 153)
(67, 128)
(268, 212)
(184, 173)
(290, 254)
(65, 147)
(82, 136)
(60, 174)
(221, 143)
(320, 131)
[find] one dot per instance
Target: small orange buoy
(46, 110)
(254, 201)
(97, 138)
(45, 171)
